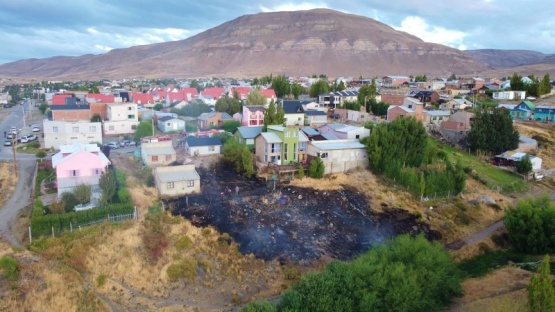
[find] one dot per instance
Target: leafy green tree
(541, 296)
(453, 77)
(319, 87)
(301, 171)
(524, 166)
(316, 168)
(269, 117)
(43, 107)
(545, 85)
(144, 129)
(70, 200)
(531, 225)
(493, 131)
(107, 184)
(195, 109)
(233, 154)
(231, 125)
(247, 163)
(280, 86)
(296, 89)
(256, 97)
(516, 82)
(279, 119)
(158, 107)
(195, 84)
(367, 95)
(96, 118)
(230, 105)
(83, 193)
(257, 306)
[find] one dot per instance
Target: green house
(281, 145)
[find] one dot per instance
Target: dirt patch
(293, 223)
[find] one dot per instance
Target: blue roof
(330, 136)
(292, 107)
(314, 113)
(249, 132)
(194, 141)
(310, 131)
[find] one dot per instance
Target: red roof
(142, 98)
(269, 93)
(242, 91)
(213, 92)
(101, 98)
(60, 99)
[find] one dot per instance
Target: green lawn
(489, 175)
(41, 175)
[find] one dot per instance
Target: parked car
(113, 145)
(27, 138)
(335, 116)
(132, 143)
(36, 129)
(9, 135)
(126, 142)
(7, 142)
(8, 105)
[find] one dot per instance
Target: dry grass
(7, 181)
(546, 132)
(501, 288)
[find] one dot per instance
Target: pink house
(253, 116)
(79, 164)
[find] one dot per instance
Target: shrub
(291, 273)
(101, 280)
(38, 208)
(9, 267)
(35, 144)
(155, 236)
(316, 169)
(183, 243)
(186, 269)
(225, 240)
(40, 154)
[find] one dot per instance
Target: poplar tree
(541, 297)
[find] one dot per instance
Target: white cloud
(289, 6)
(418, 27)
(102, 48)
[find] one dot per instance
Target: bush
(9, 267)
(38, 208)
(101, 280)
(257, 306)
(155, 236)
(35, 144)
(186, 269)
(316, 169)
(183, 243)
(40, 154)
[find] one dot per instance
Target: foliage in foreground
(531, 225)
(9, 268)
(406, 274)
(541, 296)
(493, 132)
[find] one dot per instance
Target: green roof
(530, 105)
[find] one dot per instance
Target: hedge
(42, 225)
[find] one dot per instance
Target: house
(212, 120)
(58, 133)
(339, 155)
(315, 117)
(175, 181)
(544, 113)
(456, 128)
(456, 104)
(395, 111)
(434, 118)
(158, 153)
(246, 135)
(426, 96)
(70, 113)
(524, 110)
(203, 146)
(395, 81)
(215, 93)
(334, 99)
(170, 124)
(342, 131)
(270, 95)
(511, 158)
(352, 115)
(253, 115)
(142, 98)
(509, 95)
(294, 113)
(121, 118)
(280, 145)
(393, 98)
(60, 99)
(77, 164)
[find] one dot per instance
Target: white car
(36, 129)
(113, 145)
(7, 142)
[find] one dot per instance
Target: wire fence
(438, 196)
(58, 231)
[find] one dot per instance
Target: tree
(247, 163)
(144, 129)
(545, 85)
(296, 89)
(367, 95)
(108, 185)
(70, 201)
(493, 131)
(230, 105)
(452, 77)
(233, 154)
(270, 118)
(57, 207)
(231, 125)
(516, 82)
(281, 86)
(256, 97)
(83, 193)
(43, 107)
(96, 118)
(319, 87)
(158, 107)
(316, 168)
(524, 166)
(279, 119)
(301, 171)
(531, 225)
(195, 109)
(541, 296)
(256, 306)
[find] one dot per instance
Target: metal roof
(310, 131)
(330, 136)
(338, 144)
(249, 132)
(194, 141)
(271, 137)
(438, 113)
(177, 173)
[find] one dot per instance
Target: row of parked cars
(26, 138)
(124, 143)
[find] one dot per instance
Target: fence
(438, 196)
(112, 219)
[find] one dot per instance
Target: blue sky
(44, 28)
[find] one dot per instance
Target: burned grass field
(292, 224)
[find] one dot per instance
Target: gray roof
(249, 132)
(335, 126)
(194, 141)
(166, 118)
(330, 136)
(338, 144)
(158, 149)
(271, 137)
(315, 113)
(253, 108)
(177, 173)
(310, 131)
(438, 113)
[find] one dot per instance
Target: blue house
(544, 113)
(524, 110)
(246, 135)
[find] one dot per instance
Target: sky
(45, 28)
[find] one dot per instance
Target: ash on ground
(291, 223)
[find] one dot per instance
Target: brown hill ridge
(290, 43)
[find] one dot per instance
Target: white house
(57, 133)
(121, 118)
(169, 124)
(158, 153)
(203, 146)
(339, 155)
(509, 95)
(176, 181)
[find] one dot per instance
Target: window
(168, 124)
(265, 158)
(92, 129)
(302, 146)
(276, 148)
(287, 134)
(134, 127)
(323, 155)
(410, 106)
(97, 171)
(111, 128)
(168, 157)
(54, 129)
(285, 150)
(357, 136)
(294, 151)
(130, 108)
(211, 148)
(154, 158)
(169, 185)
(73, 173)
(190, 183)
(294, 134)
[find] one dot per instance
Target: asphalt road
(26, 167)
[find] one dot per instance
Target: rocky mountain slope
(290, 43)
(507, 58)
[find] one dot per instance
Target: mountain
(508, 58)
(291, 43)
